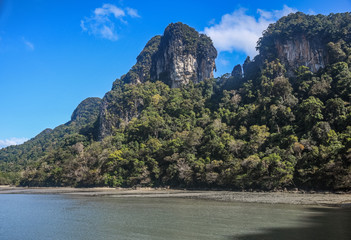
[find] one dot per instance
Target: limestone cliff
(295, 51)
(179, 57)
(314, 41)
(302, 51)
(183, 56)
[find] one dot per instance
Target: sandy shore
(321, 199)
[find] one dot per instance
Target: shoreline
(294, 198)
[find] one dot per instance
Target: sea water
(25, 216)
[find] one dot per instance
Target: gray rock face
(301, 51)
(179, 57)
(105, 124)
(183, 56)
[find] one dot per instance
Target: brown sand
(297, 197)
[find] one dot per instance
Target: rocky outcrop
(106, 120)
(299, 39)
(183, 56)
(237, 72)
(179, 57)
(302, 51)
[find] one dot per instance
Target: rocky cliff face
(106, 121)
(314, 41)
(183, 56)
(179, 57)
(302, 51)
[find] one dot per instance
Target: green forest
(260, 129)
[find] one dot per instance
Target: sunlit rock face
(302, 52)
(183, 56)
(179, 57)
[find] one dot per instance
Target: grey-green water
(66, 217)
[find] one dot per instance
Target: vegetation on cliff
(140, 72)
(263, 130)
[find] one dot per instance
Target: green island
(281, 120)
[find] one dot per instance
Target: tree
(342, 76)
(310, 111)
(258, 136)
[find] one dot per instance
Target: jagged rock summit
(179, 57)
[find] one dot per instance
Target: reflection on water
(67, 217)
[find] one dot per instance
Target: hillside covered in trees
(280, 120)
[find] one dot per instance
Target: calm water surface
(67, 217)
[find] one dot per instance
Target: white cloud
(82, 25)
(132, 12)
(108, 9)
(223, 62)
(28, 44)
(102, 22)
(12, 141)
(239, 31)
(108, 33)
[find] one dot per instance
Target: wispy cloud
(132, 12)
(12, 141)
(108, 9)
(29, 45)
(239, 31)
(223, 61)
(102, 22)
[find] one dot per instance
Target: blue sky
(54, 54)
